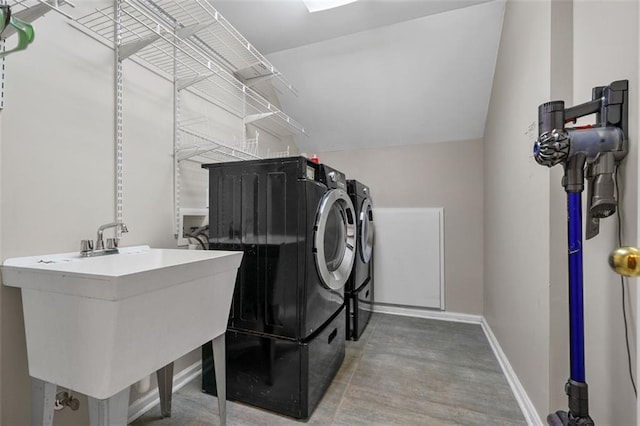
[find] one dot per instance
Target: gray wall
(548, 51)
(516, 197)
(612, 399)
(561, 88)
(445, 175)
(389, 85)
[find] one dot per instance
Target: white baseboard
(151, 399)
(410, 311)
(528, 410)
(526, 406)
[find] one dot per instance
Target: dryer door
(335, 238)
(365, 230)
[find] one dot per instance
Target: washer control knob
(332, 176)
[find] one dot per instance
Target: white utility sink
(98, 324)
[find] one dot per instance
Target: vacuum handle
(592, 224)
(601, 200)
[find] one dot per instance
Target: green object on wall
(24, 30)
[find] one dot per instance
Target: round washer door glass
(334, 239)
(365, 230)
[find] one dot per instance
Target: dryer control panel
(332, 178)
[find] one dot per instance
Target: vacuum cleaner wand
(590, 152)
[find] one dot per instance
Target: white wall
(57, 170)
(516, 199)
(445, 175)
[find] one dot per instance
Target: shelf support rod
(176, 144)
(2, 64)
(118, 101)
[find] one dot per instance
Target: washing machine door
(365, 230)
(335, 238)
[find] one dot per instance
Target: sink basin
(98, 324)
(135, 270)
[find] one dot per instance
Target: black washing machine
(359, 286)
(296, 225)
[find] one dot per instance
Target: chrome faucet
(113, 242)
(86, 246)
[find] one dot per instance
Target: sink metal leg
(43, 398)
(110, 412)
(165, 388)
(221, 376)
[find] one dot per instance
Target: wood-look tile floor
(402, 371)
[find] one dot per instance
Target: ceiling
(378, 72)
(274, 25)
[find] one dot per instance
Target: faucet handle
(86, 246)
(112, 243)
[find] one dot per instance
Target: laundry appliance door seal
(335, 238)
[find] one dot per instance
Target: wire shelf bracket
(255, 117)
(183, 83)
(128, 49)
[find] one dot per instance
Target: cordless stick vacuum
(592, 152)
